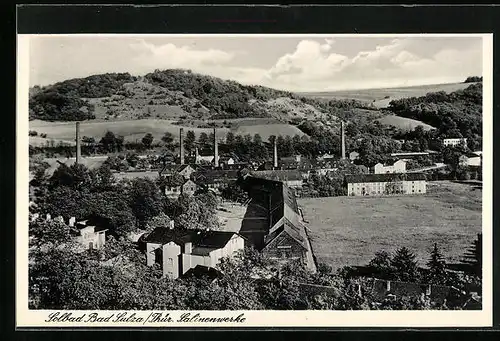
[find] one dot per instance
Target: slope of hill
(380, 98)
(403, 123)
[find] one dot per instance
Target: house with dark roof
(386, 184)
(273, 222)
(291, 177)
(179, 250)
(215, 178)
(89, 236)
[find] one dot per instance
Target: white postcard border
(255, 318)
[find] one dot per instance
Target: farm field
(403, 122)
(133, 130)
(377, 96)
(349, 230)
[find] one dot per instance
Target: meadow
(349, 230)
(403, 122)
(381, 97)
(134, 130)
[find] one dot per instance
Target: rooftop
(357, 178)
(199, 238)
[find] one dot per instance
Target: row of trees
(402, 266)
(125, 205)
(86, 282)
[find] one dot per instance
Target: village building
(273, 222)
(179, 250)
(386, 184)
(398, 167)
(353, 156)
(470, 160)
(453, 142)
(216, 179)
(292, 178)
(90, 236)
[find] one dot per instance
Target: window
(170, 262)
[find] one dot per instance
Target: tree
(161, 220)
(437, 267)
(147, 140)
(474, 256)
(76, 176)
(230, 138)
(168, 138)
(190, 140)
(203, 139)
(381, 265)
(133, 158)
(257, 139)
(63, 279)
(48, 231)
(404, 265)
(108, 141)
(145, 200)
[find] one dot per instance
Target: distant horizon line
(265, 86)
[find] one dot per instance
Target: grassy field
(403, 122)
(381, 97)
(134, 130)
(349, 230)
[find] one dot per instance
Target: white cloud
(316, 67)
(313, 65)
(152, 56)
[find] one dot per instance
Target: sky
(295, 63)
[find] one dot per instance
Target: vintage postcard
(254, 180)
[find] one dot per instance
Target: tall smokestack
(275, 154)
(196, 155)
(78, 147)
(181, 138)
(216, 149)
(342, 133)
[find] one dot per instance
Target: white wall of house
(294, 183)
(454, 142)
(91, 239)
(398, 167)
(379, 188)
(171, 252)
(474, 161)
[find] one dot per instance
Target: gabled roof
(199, 238)
(357, 178)
(201, 271)
(292, 230)
(279, 175)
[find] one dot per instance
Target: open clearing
(134, 130)
(349, 230)
(403, 122)
(381, 97)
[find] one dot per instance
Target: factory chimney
(181, 138)
(196, 155)
(78, 147)
(216, 150)
(342, 136)
(275, 154)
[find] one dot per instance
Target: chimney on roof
(216, 150)
(181, 138)
(275, 154)
(78, 147)
(342, 136)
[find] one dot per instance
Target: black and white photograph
(218, 176)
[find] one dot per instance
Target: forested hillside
(180, 93)
(458, 114)
(64, 101)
